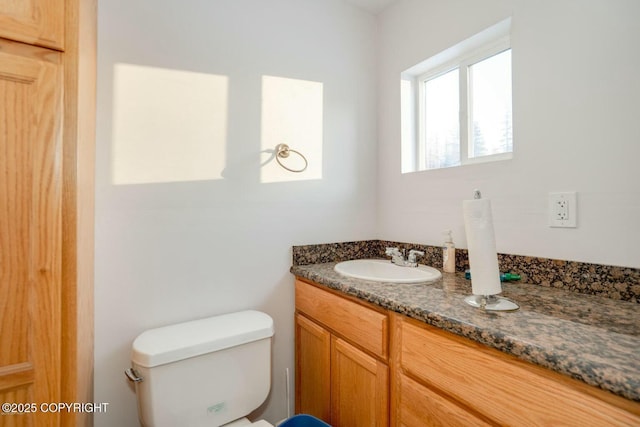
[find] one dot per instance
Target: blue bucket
(304, 420)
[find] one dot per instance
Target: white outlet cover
(563, 209)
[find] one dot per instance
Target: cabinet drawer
(422, 407)
(359, 324)
(499, 386)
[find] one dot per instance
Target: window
(456, 106)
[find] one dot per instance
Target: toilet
(209, 372)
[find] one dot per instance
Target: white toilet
(208, 372)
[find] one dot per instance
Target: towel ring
(283, 151)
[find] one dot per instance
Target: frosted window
(490, 95)
(442, 125)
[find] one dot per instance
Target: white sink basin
(380, 270)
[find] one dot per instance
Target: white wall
(575, 109)
(173, 251)
(177, 250)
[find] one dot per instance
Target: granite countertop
(589, 338)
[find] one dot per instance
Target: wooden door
(359, 387)
(30, 225)
(313, 379)
(37, 22)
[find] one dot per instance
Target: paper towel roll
(481, 241)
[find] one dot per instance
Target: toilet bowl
(208, 372)
(244, 422)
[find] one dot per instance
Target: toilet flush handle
(132, 375)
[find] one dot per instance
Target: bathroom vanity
(378, 354)
(342, 350)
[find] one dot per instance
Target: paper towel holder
(491, 303)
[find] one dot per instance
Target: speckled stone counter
(615, 282)
(590, 338)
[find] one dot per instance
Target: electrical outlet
(563, 209)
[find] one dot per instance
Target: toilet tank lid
(189, 339)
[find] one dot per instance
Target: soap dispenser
(449, 254)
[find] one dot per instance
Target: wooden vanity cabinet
(443, 379)
(358, 365)
(342, 374)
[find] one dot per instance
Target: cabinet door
(359, 387)
(313, 358)
(420, 407)
(501, 388)
(30, 224)
(37, 22)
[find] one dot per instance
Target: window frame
(465, 92)
(483, 45)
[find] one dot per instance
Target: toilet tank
(206, 372)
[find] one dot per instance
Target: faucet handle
(393, 251)
(414, 254)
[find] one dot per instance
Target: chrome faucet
(397, 257)
(413, 257)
